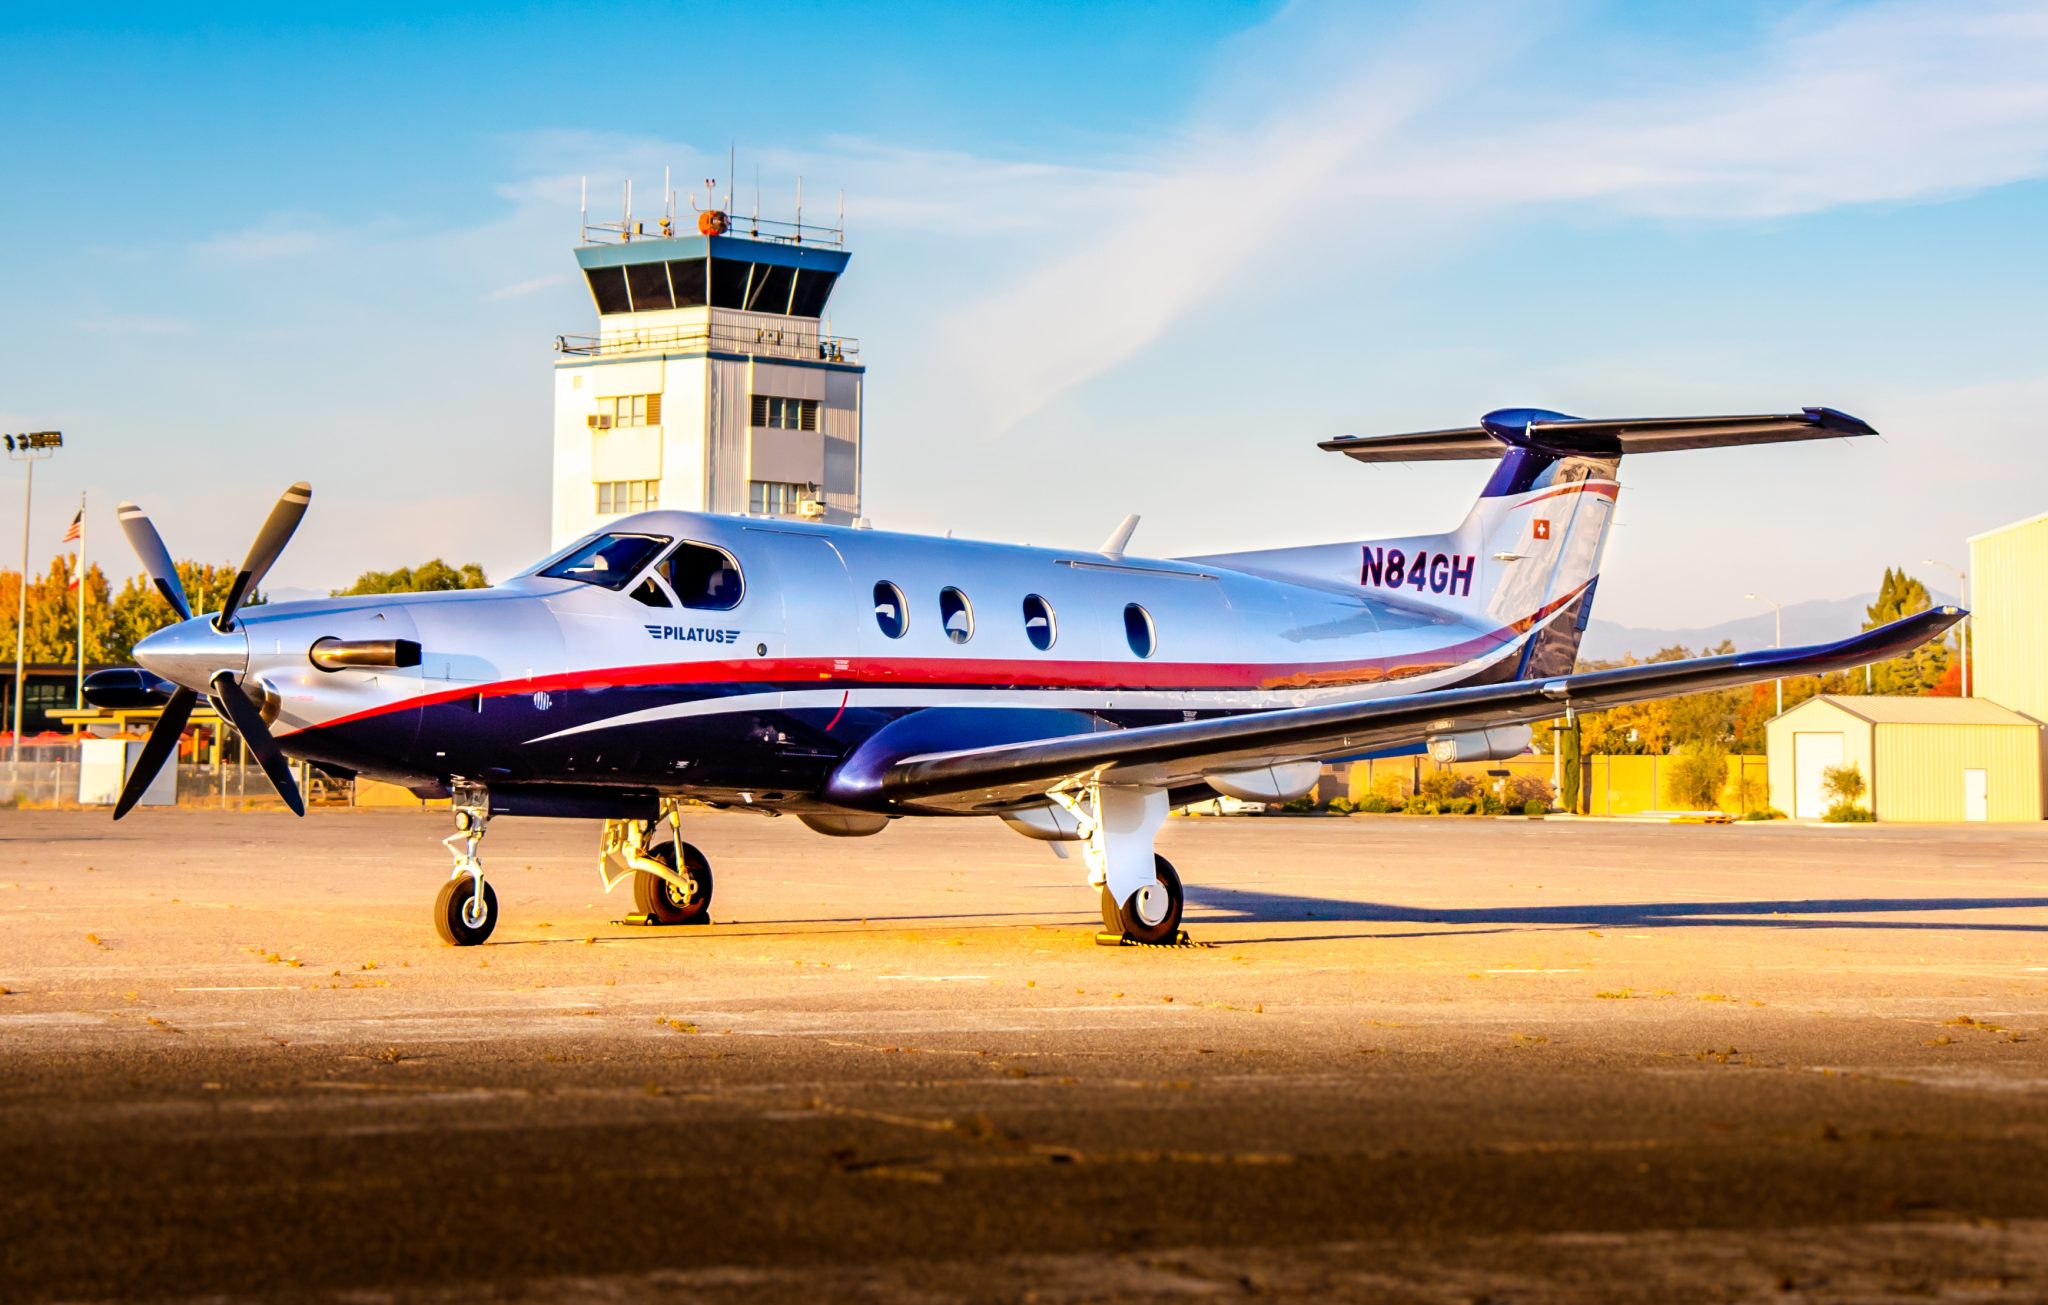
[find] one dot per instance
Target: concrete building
(1922, 759)
(2009, 615)
(712, 383)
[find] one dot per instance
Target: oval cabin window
(890, 613)
(1038, 623)
(1138, 630)
(956, 615)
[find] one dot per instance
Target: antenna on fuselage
(1120, 537)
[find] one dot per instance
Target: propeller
(178, 645)
(163, 741)
(270, 541)
(232, 703)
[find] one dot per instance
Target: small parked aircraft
(853, 677)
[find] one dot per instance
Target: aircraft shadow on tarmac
(1251, 906)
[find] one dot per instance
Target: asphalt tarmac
(1408, 1060)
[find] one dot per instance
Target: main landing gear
(671, 879)
(1142, 899)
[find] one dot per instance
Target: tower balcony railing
(724, 337)
(747, 227)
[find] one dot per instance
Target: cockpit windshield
(610, 561)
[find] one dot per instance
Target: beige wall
(1920, 770)
(1812, 717)
(2009, 620)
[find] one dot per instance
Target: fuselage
(826, 636)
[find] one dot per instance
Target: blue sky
(1106, 259)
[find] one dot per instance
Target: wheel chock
(1103, 938)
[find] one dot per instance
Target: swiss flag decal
(1542, 528)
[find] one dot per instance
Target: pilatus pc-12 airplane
(853, 677)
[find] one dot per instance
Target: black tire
(1127, 920)
(664, 903)
(450, 913)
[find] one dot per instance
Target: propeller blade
(270, 541)
(163, 741)
(232, 703)
(156, 559)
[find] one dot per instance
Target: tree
(428, 577)
(53, 614)
(139, 610)
(1898, 596)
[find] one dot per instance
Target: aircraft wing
(1169, 756)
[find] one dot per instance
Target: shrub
(1341, 806)
(1300, 804)
(1443, 785)
(1392, 788)
(1843, 783)
(1419, 806)
(1698, 775)
(1458, 806)
(1524, 789)
(1490, 804)
(1847, 813)
(1535, 807)
(1376, 804)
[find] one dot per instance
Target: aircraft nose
(192, 652)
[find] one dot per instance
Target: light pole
(1777, 639)
(1962, 631)
(30, 449)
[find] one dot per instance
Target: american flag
(75, 529)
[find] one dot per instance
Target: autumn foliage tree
(115, 620)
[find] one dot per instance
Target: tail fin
(1527, 556)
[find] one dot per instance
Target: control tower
(711, 384)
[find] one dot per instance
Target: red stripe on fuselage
(941, 672)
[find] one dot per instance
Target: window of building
(614, 496)
(776, 498)
(631, 409)
(813, 288)
(608, 288)
(729, 283)
(703, 577)
(891, 613)
(768, 292)
(610, 561)
(648, 284)
(686, 278)
(1138, 630)
(956, 615)
(1038, 623)
(785, 414)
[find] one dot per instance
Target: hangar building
(1921, 758)
(713, 383)
(2009, 615)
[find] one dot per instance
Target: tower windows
(776, 498)
(615, 496)
(631, 409)
(778, 413)
(956, 615)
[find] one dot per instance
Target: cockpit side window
(704, 577)
(608, 561)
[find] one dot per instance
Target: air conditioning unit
(600, 421)
(810, 509)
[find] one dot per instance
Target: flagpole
(80, 703)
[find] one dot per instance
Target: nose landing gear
(466, 910)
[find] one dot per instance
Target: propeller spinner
(209, 656)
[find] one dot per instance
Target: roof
(2009, 527)
(1891, 709)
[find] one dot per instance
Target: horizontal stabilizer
(1556, 433)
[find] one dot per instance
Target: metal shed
(1926, 759)
(2009, 619)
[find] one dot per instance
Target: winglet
(1120, 538)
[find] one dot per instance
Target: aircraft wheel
(1152, 915)
(663, 902)
(452, 910)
